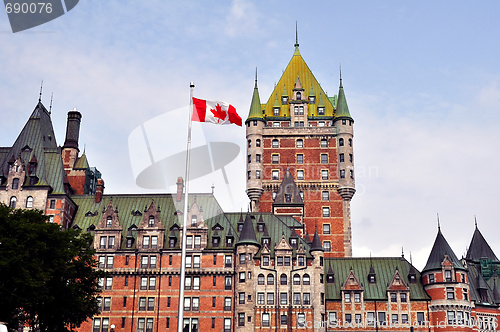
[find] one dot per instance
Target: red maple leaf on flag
(219, 112)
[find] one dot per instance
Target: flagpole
(184, 217)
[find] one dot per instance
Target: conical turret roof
(440, 249)
(247, 235)
(342, 108)
(255, 112)
(479, 248)
(316, 243)
(288, 187)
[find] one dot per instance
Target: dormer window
(299, 96)
(312, 99)
(276, 111)
(330, 278)
(15, 183)
(293, 243)
(151, 221)
(288, 198)
(260, 227)
(194, 221)
(229, 242)
(447, 275)
(321, 111)
(372, 279)
(284, 100)
(109, 222)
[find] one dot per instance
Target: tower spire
(296, 35)
(255, 77)
(40, 96)
(340, 71)
(439, 226)
(475, 221)
(50, 107)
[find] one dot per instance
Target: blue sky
(422, 82)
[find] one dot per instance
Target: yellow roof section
(297, 66)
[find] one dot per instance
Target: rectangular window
(326, 228)
(447, 274)
(342, 173)
(265, 319)
(142, 303)
(431, 278)
(270, 298)
(275, 174)
(144, 262)
(451, 317)
(154, 242)
(326, 211)
(450, 293)
(196, 304)
(241, 319)
(357, 318)
(227, 303)
(242, 277)
(394, 318)
(381, 318)
(347, 297)
(187, 304)
(357, 297)
(370, 317)
(242, 258)
(287, 261)
(145, 242)
(151, 303)
(124, 301)
(196, 261)
(324, 174)
(324, 158)
(307, 298)
(189, 241)
(348, 318)
(109, 282)
(227, 324)
(283, 298)
(301, 320)
(466, 295)
(300, 174)
(228, 261)
(189, 261)
(187, 283)
(279, 261)
(300, 159)
(275, 159)
(394, 297)
(327, 246)
(241, 298)
(403, 297)
(228, 283)
(197, 241)
(302, 261)
(107, 304)
(260, 298)
(152, 283)
(258, 158)
(144, 283)
(284, 319)
(103, 242)
(404, 318)
(257, 174)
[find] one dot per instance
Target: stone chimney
(180, 188)
(99, 190)
(73, 129)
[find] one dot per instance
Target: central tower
(300, 159)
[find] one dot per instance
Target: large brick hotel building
(285, 265)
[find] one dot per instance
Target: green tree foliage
(48, 279)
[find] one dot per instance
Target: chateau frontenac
(285, 265)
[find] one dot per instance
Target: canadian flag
(217, 112)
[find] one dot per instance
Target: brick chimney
(99, 190)
(180, 188)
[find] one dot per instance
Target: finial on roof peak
(439, 226)
(296, 35)
(340, 73)
(475, 221)
(41, 88)
(50, 107)
(255, 77)
(402, 252)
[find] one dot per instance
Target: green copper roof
(438, 252)
(37, 139)
(247, 235)
(82, 162)
(255, 107)
(342, 109)
(384, 269)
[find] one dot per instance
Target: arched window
(13, 201)
(350, 141)
(109, 222)
(341, 142)
(306, 280)
(151, 221)
(257, 143)
(296, 279)
(260, 279)
(29, 202)
(276, 143)
(299, 95)
(270, 279)
(283, 280)
(15, 183)
(249, 143)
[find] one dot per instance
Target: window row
(284, 260)
(301, 319)
(342, 174)
(13, 202)
(341, 141)
(191, 304)
(277, 124)
(275, 174)
(299, 143)
(261, 279)
(342, 158)
(257, 142)
(147, 324)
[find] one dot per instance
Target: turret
(445, 280)
(343, 123)
(246, 248)
(255, 149)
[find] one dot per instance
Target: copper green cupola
(342, 111)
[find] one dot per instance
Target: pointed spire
(50, 107)
(440, 249)
(288, 187)
(475, 221)
(342, 110)
(296, 35)
(247, 235)
(316, 243)
(40, 96)
(255, 112)
(479, 248)
(439, 226)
